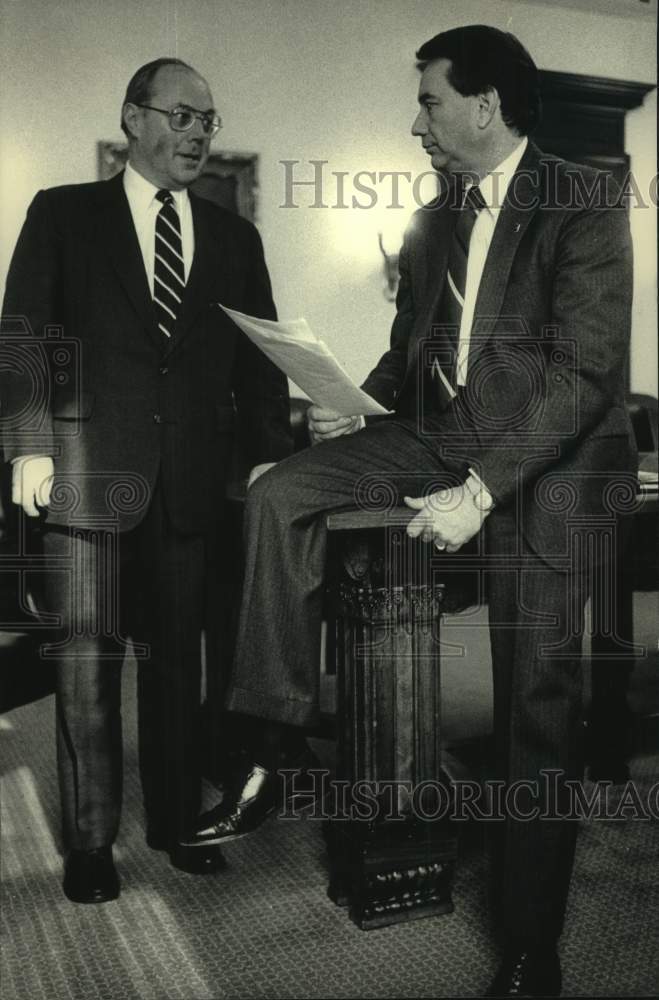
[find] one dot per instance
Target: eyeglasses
(182, 118)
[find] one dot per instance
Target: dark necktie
(456, 275)
(168, 270)
(452, 300)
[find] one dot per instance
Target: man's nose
(198, 131)
(419, 125)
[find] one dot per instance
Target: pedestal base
(391, 872)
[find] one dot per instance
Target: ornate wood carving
(395, 863)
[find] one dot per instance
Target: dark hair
(138, 90)
(483, 57)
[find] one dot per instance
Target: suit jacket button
(558, 378)
(157, 418)
(164, 370)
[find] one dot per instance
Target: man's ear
(488, 104)
(130, 115)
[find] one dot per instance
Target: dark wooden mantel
(583, 118)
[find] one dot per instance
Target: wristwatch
(481, 495)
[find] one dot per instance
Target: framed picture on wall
(229, 179)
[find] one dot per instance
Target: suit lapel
(519, 208)
(119, 236)
(438, 240)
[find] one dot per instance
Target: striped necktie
(452, 301)
(168, 270)
(456, 275)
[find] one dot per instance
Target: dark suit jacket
(114, 402)
(543, 417)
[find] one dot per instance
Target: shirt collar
(141, 193)
(495, 185)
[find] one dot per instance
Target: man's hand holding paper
(325, 424)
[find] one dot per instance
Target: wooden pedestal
(383, 632)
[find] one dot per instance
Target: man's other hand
(32, 481)
(448, 518)
(326, 424)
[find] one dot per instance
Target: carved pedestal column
(393, 853)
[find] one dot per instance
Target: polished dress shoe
(240, 812)
(90, 876)
(254, 794)
(200, 861)
(197, 862)
(528, 971)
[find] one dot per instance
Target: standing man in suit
(505, 375)
(120, 439)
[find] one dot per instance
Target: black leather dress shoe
(253, 794)
(240, 812)
(197, 862)
(535, 972)
(201, 861)
(90, 876)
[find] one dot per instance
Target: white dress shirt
(144, 208)
(493, 187)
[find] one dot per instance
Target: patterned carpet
(265, 927)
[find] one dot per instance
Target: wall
(297, 80)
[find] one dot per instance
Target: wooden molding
(574, 88)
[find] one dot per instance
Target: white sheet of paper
(294, 347)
